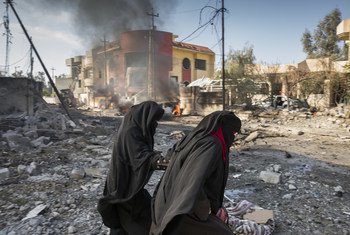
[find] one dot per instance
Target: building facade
(142, 64)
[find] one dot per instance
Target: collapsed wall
(19, 94)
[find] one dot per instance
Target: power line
(217, 43)
(190, 39)
(17, 60)
(184, 12)
(217, 11)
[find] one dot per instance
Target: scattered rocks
(69, 164)
(4, 173)
(339, 191)
(77, 173)
(251, 137)
(270, 177)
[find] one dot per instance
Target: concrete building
(142, 64)
(191, 62)
(19, 95)
(329, 79)
(343, 32)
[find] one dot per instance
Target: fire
(176, 110)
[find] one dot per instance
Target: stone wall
(194, 101)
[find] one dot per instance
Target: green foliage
(18, 74)
(308, 46)
(312, 85)
(247, 89)
(324, 41)
(40, 76)
(339, 86)
(238, 63)
(46, 93)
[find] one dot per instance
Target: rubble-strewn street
(297, 164)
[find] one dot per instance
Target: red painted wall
(137, 42)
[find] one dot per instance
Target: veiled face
(231, 125)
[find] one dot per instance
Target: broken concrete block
(287, 196)
(59, 123)
(94, 172)
(33, 169)
(339, 191)
(270, 177)
(32, 134)
(36, 211)
(71, 124)
(71, 229)
(17, 142)
(4, 173)
(42, 140)
(21, 169)
(77, 174)
(252, 136)
(276, 168)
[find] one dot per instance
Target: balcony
(343, 30)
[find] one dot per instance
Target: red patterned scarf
(218, 134)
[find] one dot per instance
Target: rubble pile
(295, 163)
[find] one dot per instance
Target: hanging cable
(216, 13)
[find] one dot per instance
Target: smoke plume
(95, 19)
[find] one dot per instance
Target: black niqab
(196, 171)
(132, 157)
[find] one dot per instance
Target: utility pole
(29, 81)
(151, 88)
(105, 82)
(40, 60)
(8, 37)
(31, 62)
(223, 53)
(16, 69)
(153, 27)
(53, 72)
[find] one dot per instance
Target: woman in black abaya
(125, 207)
(190, 193)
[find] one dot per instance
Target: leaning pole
(41, 62)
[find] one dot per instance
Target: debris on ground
(293, 163)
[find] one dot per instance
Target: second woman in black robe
(125, 207)
(191, 190)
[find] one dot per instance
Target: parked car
(280, 101)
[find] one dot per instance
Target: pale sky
(273, 27)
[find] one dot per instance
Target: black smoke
(94, 20)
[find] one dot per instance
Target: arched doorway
(186, 70)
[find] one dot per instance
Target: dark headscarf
(132, 152)
(196, 170)
(228, 121)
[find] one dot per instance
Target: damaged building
(142, 64)
(151, 64)
(19, 94)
